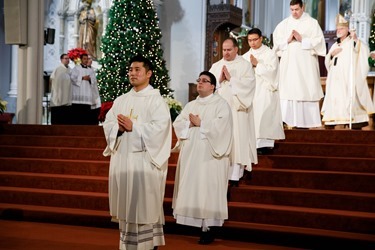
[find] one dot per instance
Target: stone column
(14, 78)
(30, 67)
(362, 18)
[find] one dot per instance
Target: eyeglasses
(253, 40)
(203, 80)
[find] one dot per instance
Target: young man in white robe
(204, 131)
(138, 131)
(236, 84)
(299, 40)
(267, 112)
(347, 57)
(82, 99)
(61, 92)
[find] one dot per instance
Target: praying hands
(125, 123)
(195, 121)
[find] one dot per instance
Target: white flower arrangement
(175, 106)
(3, 106)
(173, 103)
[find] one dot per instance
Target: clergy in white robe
(236, 84)
(82, 92)
(61, 92)
(95, 107)
(299, 40)
(266, 103)
(204, 131)
(347, 58)
(138, 131)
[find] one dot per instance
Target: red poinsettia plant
(75, 54)
(106, 106)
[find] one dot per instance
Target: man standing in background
(61, 92)
(299, 40)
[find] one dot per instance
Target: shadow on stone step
(12, 214)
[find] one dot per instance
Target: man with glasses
(236, 84)
(61, 92)
(267, 112)
(298, 41)
(204, 132)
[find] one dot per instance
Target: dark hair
(82, 55)
(210, 75)
(234, 41)
(62, 56)
(255, 31)
(146, 63)
(294, 2)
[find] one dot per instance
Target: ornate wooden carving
(223, 17)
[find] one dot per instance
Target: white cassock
(336, 105)
(96, 102)
(267, 112)
(61, 87)
(138, 167)
(201, 182)
(299, 81)
(82, 89)
(239, 93)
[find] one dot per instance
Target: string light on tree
(371, 39)
(132, 29)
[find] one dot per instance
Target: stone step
(330, 136)
(52, 153)
(322, 163)
(55, 166)
(327, 219)
(325, 149)
(54, 141)
(301, 197)
(54, 181)
(324, 180)
(358, 224)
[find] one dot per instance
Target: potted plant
(5, 117)
(3, 106)
(175, 106)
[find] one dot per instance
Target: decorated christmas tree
(133, 29)
(371, 40)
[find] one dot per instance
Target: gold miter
(341, 21)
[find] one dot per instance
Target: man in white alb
(299, 40)
(236, 84)
(138, 132)
(340, 106)
(61, 92)
(204, 131)
(267, 112)
(82, 99)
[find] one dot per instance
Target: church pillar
(30, 67)
(362, 18)
(61, 35)
(14, 79)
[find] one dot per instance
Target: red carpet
(316, 187)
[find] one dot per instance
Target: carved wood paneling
(221, 18)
